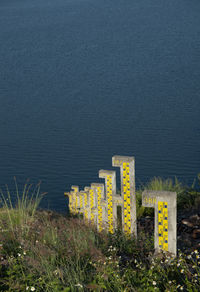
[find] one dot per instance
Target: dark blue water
(83, 80)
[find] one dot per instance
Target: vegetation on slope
(45, 251)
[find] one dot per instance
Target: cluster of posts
(99, 203)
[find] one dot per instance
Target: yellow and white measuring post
(165, 206)
(110, 186)
(102, 216)
(127, 174)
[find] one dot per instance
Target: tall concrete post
(110, 184)
(127, 174)
(165, 206)
(101, 206)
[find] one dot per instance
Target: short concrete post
(91, 204)
(110, 184)
(101, 206)
(127, 173)
(75, 190)
(165, 206)
(86, 208)
(69, 195)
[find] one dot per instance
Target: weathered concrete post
(127, 173)
(92, 204)
(165, 206)
(86, 208)
(101, 206)
(69, 195)
(110, 184)
(75, 190)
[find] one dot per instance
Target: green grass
(45, 251)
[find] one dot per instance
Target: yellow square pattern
(127, 198)
(92, 205)
(85, 206)
(163, 225)
(110, 205)
(100, 219)
(70, 203)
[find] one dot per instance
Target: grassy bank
(45, 251)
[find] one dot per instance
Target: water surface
(83, 80)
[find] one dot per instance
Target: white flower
(196, 251)
(154, 283)
(19, 255)
(79, 285)
(189, 256)
(181, 288)
(182, 271)
(32, 288)
(27, 287)
(178, 265)
(24, 253)
(170, 282)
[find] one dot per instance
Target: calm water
(83, 80)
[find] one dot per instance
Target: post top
(118, 160)
(86, 189)
(97, 185)
(104, 173)
(160, 194)
(75, 188)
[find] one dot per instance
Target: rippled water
(83, 80)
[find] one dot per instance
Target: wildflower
(189, 256)
(178, 264)
(181, 288)
(79, 285)
(178, 286)
(197, 256)
(32, 288)
(170, 282)
(196, 251)
(182, 271)
(154, 283)
(24, 253)
(19, 255)
(27, 287)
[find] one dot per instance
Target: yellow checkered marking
(163, 225)
(81, 201)
(110, 205)
(127, 198)
(74, 203)
(70, 202)
(92, 205)
(100, 219)
(85, 206)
